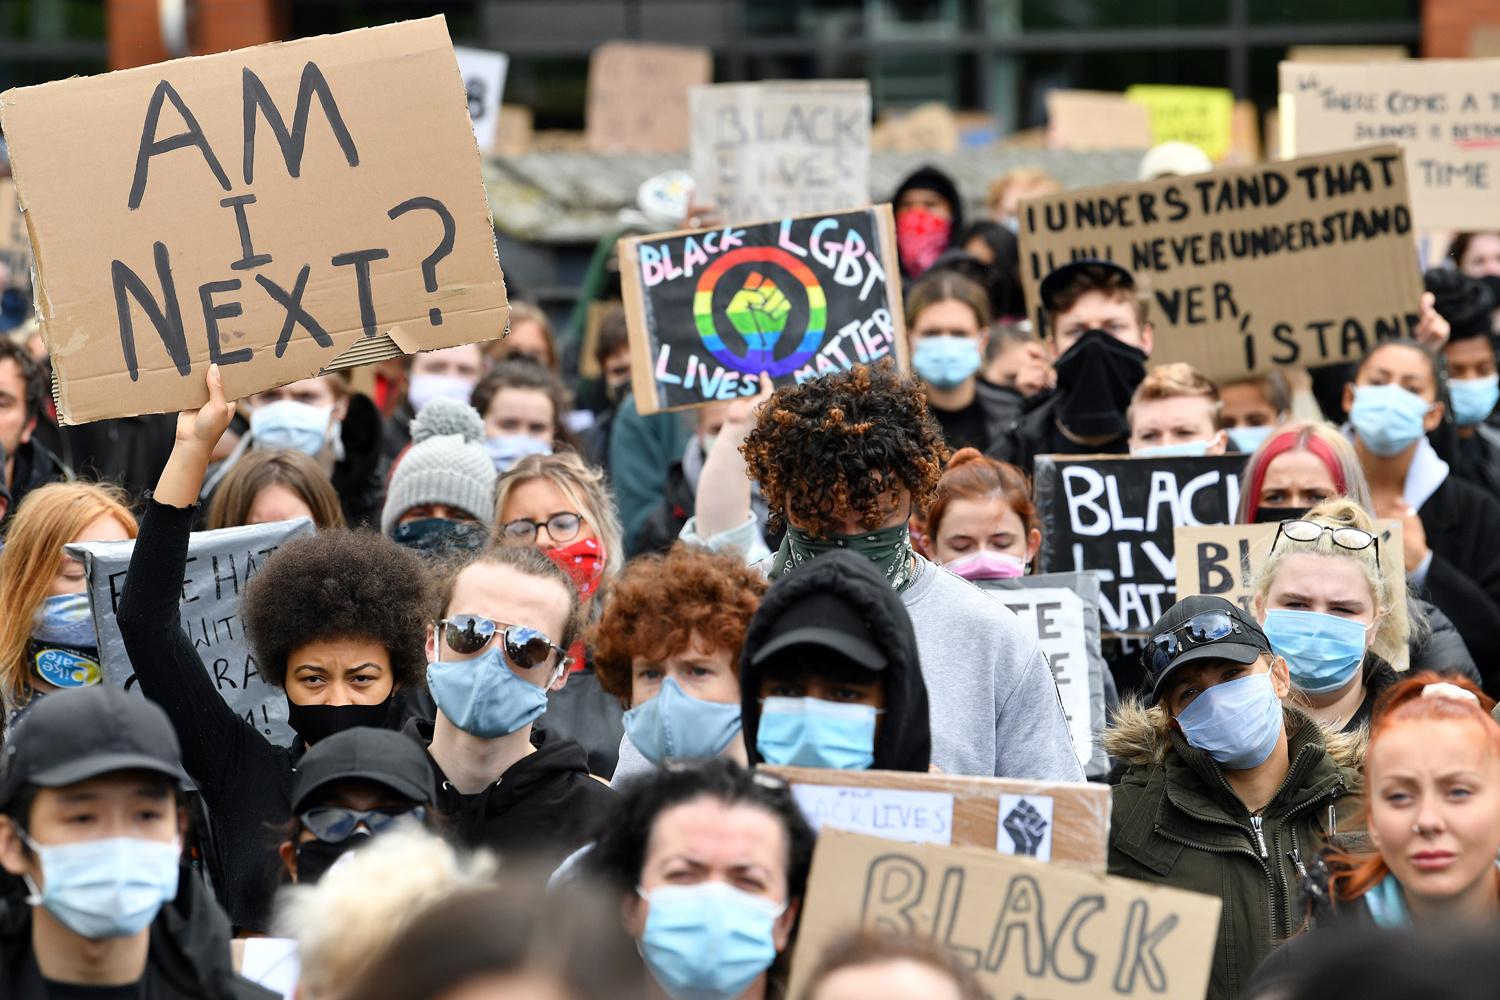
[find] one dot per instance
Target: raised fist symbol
(1025, 826)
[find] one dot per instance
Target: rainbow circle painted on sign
(759, 311)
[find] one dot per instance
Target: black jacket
(36, 465)
(1035, 432)
(1476, 459)
(1463, 532)
(129, 451)
(545, 806)
(359, 477)
(903, 741)
(188, 960)
(997, 409)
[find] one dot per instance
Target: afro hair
(340, 584)
(843, 443)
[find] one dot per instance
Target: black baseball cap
(383, 756)
(72, 736)
(1243, 642)
(1059, 277)
(825, 620)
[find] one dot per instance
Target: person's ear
(984, 341)
(633, 910)
(1218, 444)
(27, 430)
(13, 853)
(560, 680)
(341, 408)
(1148, 338)
(1033, 544)
(288, 853)
(1433, 417)
(1348, 400)
(431, 644)
(1281, 678)
(781, 931)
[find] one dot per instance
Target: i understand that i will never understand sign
(711, 310)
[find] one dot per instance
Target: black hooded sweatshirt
(929, 178)
(903, 741)
(188, 960)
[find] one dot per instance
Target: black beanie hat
(1465, 302)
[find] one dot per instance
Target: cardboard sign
(1061, 822)
(1444, 112)
(1196, 115)
(1117, 516)
(1025, 929)
(279, 211)
(513, 135)
(484, 86)
(769, 150)
(219, 566)
(638, 96)
(1346, 53)
(929, 128)
(1096, 119)
(1063, 609)
(1229, 258)
(711, 309)
(15, 245)
(1225, 560)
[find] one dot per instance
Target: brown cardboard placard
(1025, 929)
(1303, 262)
(1244, 135)
(280, 210)
(785, 147)
(513, 137)
(1096, 119)
(927, 128)
(1484, 41)
(1346, 53)
(961, 811)
(638, 96)
(15, 245)
(709, 310)
(1444, 112)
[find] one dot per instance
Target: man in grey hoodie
(843, 461)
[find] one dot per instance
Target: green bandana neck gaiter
(888, 548)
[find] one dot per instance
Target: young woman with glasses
(1333, 604)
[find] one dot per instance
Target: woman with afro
(336, 620)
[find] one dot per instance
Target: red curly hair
(973, 476)
(661, 601)
(1353, 874)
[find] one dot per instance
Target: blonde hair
(366, 900)
(1175, 381)
(1386, 577)
(259, 469)
(48, 518)
(1035, 178)
(581, 483)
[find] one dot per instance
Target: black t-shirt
(72, 991)
(964, 428)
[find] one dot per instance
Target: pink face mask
(987, 565)
(921, 238)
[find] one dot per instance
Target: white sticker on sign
(1025, 826)
(913, 817)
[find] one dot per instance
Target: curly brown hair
(661, 601)
(843, 442)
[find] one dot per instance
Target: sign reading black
(1116, 515)
(710, 310)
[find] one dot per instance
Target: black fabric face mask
(1095, 379)
(315, 722)
(314, 857)
(439, 538)
(1275, 515)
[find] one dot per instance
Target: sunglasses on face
(525, 647)
(561, 527)
(334, 825)
(1353, 539)
(1204, 627)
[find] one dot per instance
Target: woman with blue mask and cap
(711, 861)
(829, 675)
(1226, 791)
(47, 639)
(1450, 528)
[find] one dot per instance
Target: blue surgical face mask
(1473, 399)
(67, 620)
(1236, 722)
(1182, 449)
(289, 424)
(811, 732)
(674, 725)
(423, 389)
(1321, 651)
(508, 449)
(105, 888)
(483, 696)
(1247, 439)
(708, 941)
(1387, 418)
(945, 362)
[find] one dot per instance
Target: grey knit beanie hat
(447, 463)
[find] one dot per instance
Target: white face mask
(105, 888)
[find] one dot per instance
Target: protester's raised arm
(723, 500)
(197, 433)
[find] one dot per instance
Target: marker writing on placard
(443, 249)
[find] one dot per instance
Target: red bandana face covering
(921, 238)
(583, 561)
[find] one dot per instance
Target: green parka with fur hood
(1176, 822)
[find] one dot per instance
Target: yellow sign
(1197, 115)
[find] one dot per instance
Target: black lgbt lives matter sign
(712, 309)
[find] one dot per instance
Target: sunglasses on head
(525, 647)
(1204, 627)
(334, 825)
(1353, 539)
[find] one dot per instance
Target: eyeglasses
(525, 647)
(333, 825)
(1353, 539)
(1204, 627)
(561, 527)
